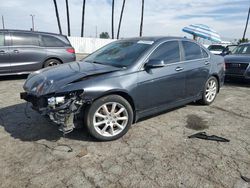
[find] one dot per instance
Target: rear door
(59, 47)
(26, 55)
(197, 66)
(4, 54)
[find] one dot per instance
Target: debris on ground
(246, 179)
(203, 135)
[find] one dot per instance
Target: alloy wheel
(110, 119)
(52, 63)
(211, 90)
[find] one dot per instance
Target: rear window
(1, 39)
(204, 53)
(216, 48)
(50, 41)
(192, 50)
(20, 39)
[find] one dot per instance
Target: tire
(211, 87)
(109, 123)
(51, 62)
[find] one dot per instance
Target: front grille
(239, 66)
(237, 69)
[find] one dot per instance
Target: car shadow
(23, 123)
(237, 82)
(14, 77)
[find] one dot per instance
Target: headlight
(42, 87)
(56, 101)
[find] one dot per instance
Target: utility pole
(32, 19)
(112, 19)
(83, 14)
(142, 12)
(58, 19)
(3, 22)
(68, 21)
(246, 24)
(120, 21)
(96, 31)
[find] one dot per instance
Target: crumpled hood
(50, 79)
(237, 59)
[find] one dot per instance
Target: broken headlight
(53, 101)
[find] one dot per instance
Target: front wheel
(210, 91)
(109, 117)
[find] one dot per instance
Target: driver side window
(169, 52)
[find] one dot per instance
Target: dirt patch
(196, 123)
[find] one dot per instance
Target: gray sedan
(125, 81)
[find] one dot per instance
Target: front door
(164, 85)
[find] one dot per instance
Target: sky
(161, 17)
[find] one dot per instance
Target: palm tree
(58, 19)
(83, 12)
(142, 12)
(112, 19)
(68, 21)
(246, 24)
(119, 26)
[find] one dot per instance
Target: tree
(68, 21)
(58, 18)
(142, 14)
(104, 35)
(246, 24)
(112, 19)
(243, 40)
(83, 13)
(119, 26)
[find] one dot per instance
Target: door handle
(207, 62)
(16, 51)
(179, 68)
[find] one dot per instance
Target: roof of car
(27, 31)
(245, 43)
(154, 38)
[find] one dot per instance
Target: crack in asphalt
(230, 112)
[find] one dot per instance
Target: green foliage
(243, 40)
(104, 35)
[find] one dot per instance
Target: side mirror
(226, 52)
(153, 63)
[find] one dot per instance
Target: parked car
(238, 63)
(22, 52)
(216, 49)
(228, 49)
(125, 81)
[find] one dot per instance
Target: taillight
(225, 66)
(71, 50)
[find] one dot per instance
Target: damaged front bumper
(62, 108)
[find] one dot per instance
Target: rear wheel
(210, 91)
(51, 62)
(109, 118)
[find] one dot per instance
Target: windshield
(231, 47)
(120, 54)
(242, 49)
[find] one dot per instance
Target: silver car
(22, 52)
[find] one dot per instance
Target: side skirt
(164, 107)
